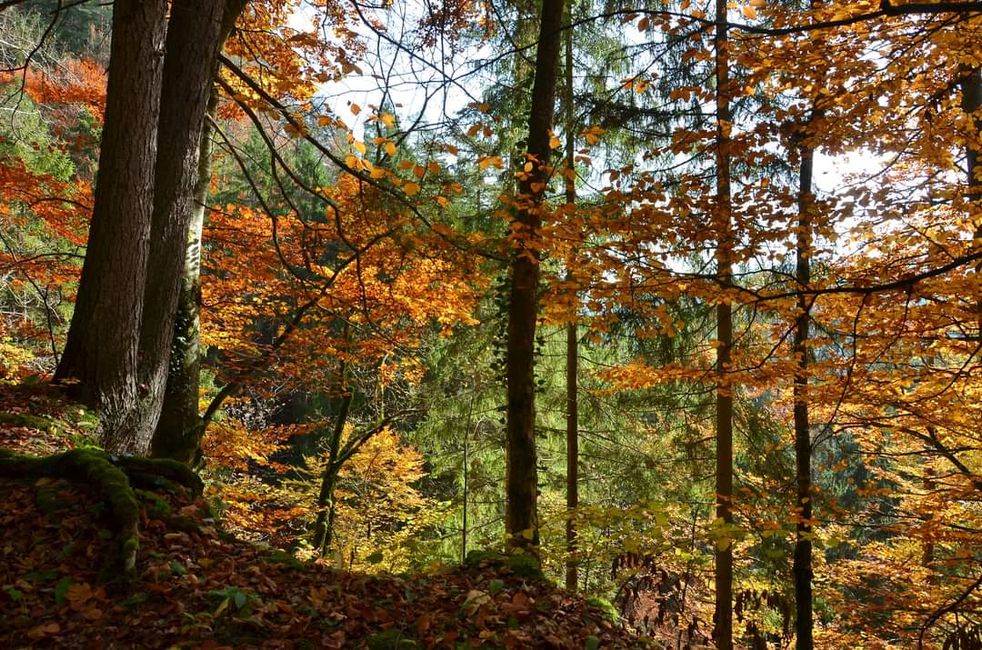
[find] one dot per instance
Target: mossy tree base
(113, 478)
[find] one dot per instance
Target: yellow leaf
(749, 12)
(411, 188)
(390, 148)
(555, 143)
(355, 109)
(359, 146)
(433, 166)
(388, 120)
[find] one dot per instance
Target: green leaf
(592, 643)
(240, 599)
(15, 595)
(61, 590)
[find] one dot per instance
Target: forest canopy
(678, 303)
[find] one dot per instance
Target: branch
(355, 443)
(950, 607)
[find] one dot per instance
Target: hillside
(195, 585)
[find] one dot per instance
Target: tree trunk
(179, 430)
(101, 353)
(802, 436)
(193, 40)
(572, 351)
(723, 618)
(971, 103)
(326, 510)
(521, 518)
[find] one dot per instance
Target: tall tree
(193, 39)
(179, 428)
(572, 351)
(521, 519)
(101, 354)
(723, 630)
(119, 342)
(802, 436)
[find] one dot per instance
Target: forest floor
(196, 586)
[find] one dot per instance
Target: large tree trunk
(180, 428)
(193, 40)
(101, 353)
(802, 436)
(521, 518)
(723, 618)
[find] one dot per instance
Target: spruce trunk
(521, 484)
(723, 617)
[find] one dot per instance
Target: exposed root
(113, 478)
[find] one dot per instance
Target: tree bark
(326, 510)
(572, 348)
(100, 361)
(179, 429)
(723, 617)
(193, 40)
(521, 518)
(802, 568)
(971, 103)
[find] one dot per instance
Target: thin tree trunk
(326, 510)
(102, 351)
(193, 41)
(572, 351)
(521, 518)
(971, 104)
(802, 436)
(723, 618)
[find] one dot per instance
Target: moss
(391, 640)
(285, 559)
(157, 473)
(156, 506)
(93, 468)
(525, 565)
(46, 500)
(29, 421)
(606, 607)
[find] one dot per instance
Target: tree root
(113, 477)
